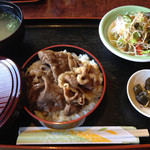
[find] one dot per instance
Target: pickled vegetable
(142, 98)
(143, 94)
(147, 84)
(137, 89)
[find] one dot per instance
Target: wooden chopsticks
(139, 132)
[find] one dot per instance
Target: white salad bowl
(108, 19)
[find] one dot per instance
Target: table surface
(53, 22)
(72, 9)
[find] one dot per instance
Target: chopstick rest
(80, 135)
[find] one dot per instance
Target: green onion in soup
(9, 23)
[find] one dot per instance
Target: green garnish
(136, 35)
(133, 41)
(127, 19)
(140, 27)
(145, 52)
(11, 27)
(120, 40)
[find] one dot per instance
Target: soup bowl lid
(10, 85)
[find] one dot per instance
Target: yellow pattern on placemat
(89, 135)
(111, 132)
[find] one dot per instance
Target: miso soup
(8, 24)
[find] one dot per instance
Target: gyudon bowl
(65, 84)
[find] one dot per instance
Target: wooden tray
(115, 108)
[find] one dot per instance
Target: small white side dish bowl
(108, 18)
(138, 77)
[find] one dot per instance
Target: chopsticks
(139, 132)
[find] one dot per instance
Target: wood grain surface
(74, 9)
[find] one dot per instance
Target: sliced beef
(71, 109)
(73, 62)
(59, 81)
(51, 98)
(58, 61)
(33, 93)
